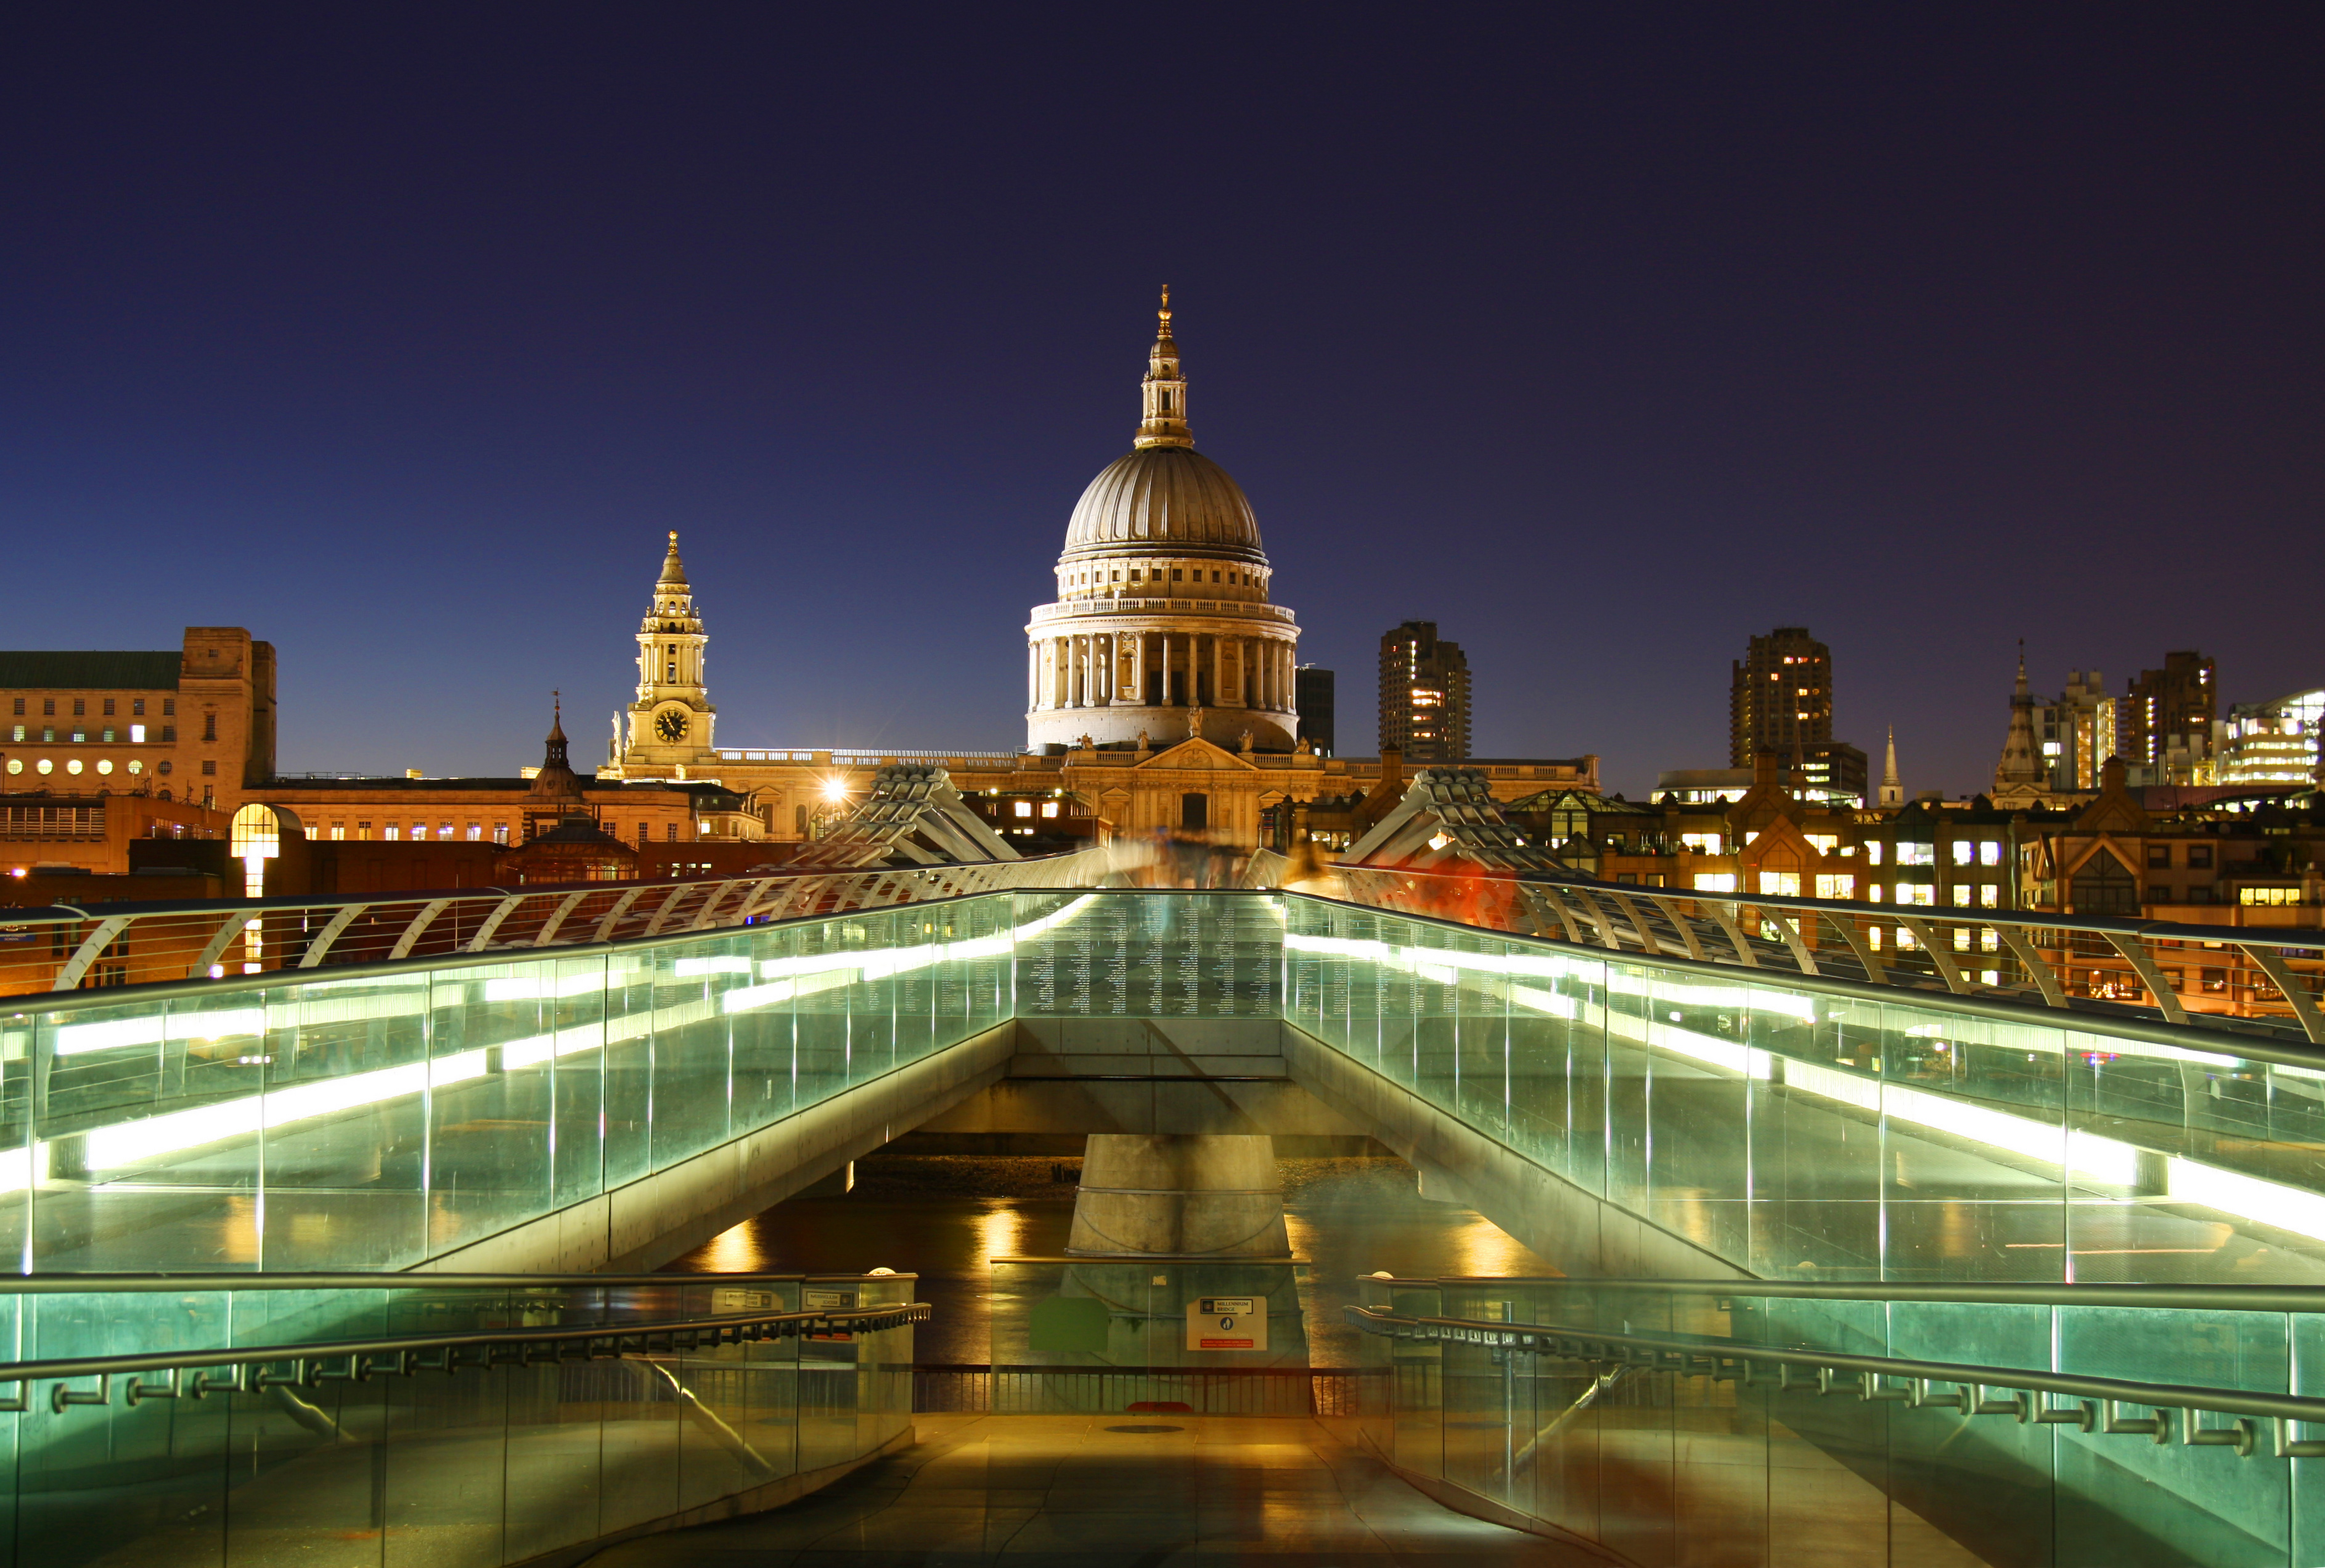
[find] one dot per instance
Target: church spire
(1164, 390)
(2020, 768)
(1893, 790)
(673, 570)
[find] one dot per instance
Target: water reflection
(944, 1217)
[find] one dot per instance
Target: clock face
(670, 725)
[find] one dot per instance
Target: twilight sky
(1604, 339)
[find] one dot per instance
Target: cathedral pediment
(1195, 753)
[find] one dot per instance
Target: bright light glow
(835, 789)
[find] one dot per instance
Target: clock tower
(671, 721)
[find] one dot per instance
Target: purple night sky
(1604, 339)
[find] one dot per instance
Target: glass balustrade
(1792, 1128)
(466, 1466)
(1816, 1132)
(1664, 1465)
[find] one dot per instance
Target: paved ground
(1044, 1492)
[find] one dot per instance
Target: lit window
(1988, 939)
(391, 833)
(2268, 895)
(1912, 854)
(1782, 884)
(73, 767)
(1989, 896)
(1831, 886)
(1700, 843)
(1963, 850)
(1989, 852)
(1961, 939)
(1873, 854)
(136, 732)
(1048, 808)
(500, 832)
(1024, 809)
(1963, 895)
(419, 829)
(363, 829)
(1715, 882)
(105, 765)
(1823, 842)
(476, 832)
(1873, 893)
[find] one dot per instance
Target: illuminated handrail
(2017, 955)
(66, 946)
(2098, 1402)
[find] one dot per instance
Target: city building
(1699, 786)
(101, 835)
(1835, 774)
(1313, 693)
(195, 723)
(2273, 742)
(1780, 697)
(2077, 733)
(2164, 726)
(1163, 611)
(508, 812)
(1424, 694)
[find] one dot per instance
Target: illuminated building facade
(196, 723)
(2272, 742)
(2165, 721)
(1780, 698)
(1424, 694)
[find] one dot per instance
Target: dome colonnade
(1161, 604)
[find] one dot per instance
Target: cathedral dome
(1163, 497)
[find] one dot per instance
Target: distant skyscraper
(2078, 731)
(1313, 693)
(1424, 694)
(2165, 727)
(1780, 697)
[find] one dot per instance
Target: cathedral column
(1033, 676)
(1082, 671)
(1138, 666)
(1219, 670)
(1164, 639)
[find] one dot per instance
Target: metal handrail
(191, 940)
(310, 1358)
(350, 1279)
(2237, 1298)
(1584, 912)
(2099, 1406)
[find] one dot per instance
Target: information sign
(1227, 1322)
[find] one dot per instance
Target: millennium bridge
(1887, 1234)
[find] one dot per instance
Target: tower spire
(1164, 390)
(2020, 769)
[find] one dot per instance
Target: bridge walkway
(1093, 1492)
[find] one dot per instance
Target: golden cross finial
(673, 536)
